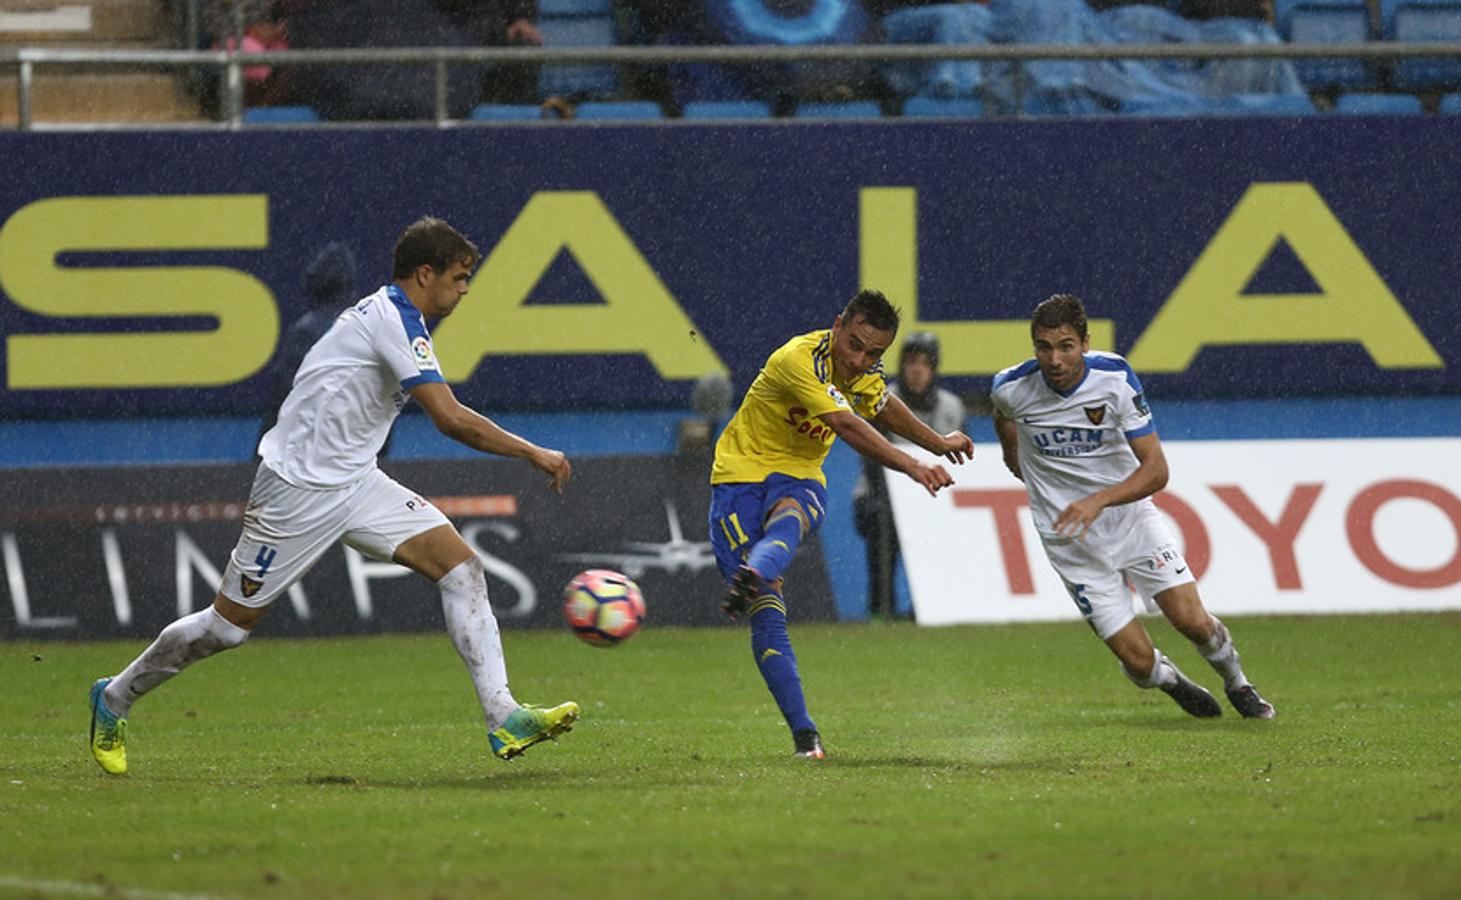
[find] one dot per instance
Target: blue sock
(777, 662)
(773, 553)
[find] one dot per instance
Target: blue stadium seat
(561, 8)
(1427, 20)
(587, 80)
(1387, 17)
(1450, 105)
(505, 112)
(726, 109)
(1378, 105)
(856, 109)
(1283, 11)
(1329, 22)
(1262, 105)
(618, 109)
(931, 107)
(1171, 105)
(280, 115)
(1232, 105)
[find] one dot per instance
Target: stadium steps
(92, 94)
(118, 97)
(83, 23)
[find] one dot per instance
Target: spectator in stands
(939, 409)
(266, 30)
(344, 93)
(330, 284)
(504, 23)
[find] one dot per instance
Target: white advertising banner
(1293, 526)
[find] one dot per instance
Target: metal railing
(231, 63)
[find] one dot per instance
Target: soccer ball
(603, 607)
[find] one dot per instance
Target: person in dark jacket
(330, 284)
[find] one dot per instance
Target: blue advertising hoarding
(155, 272)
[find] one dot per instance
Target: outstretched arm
(865, 439)
(955, 446)
(1150, 476)
(1009, 442)
(477, 431)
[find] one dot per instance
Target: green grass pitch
(1009, 761)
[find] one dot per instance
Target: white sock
(473, 630)
(184, 642)
(1163, 674)
(1223, 656)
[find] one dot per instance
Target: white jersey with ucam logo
(1074, 443)
(348, 391)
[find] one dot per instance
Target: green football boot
(108, 732)
(530, 724)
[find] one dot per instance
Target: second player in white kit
(1074, 425)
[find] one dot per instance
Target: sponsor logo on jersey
(836, 395)
(1095, 414)
(1139, 401)
(421, 349)
(797, 418)
(1068, 441)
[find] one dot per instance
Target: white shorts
(1135, 546)
(287, 529)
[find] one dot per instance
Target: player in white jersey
(1075, 428)
(318, 483)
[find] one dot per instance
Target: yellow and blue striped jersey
(777, 429)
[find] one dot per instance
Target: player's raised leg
(1147, 667)
(1183, 608)
(442, 555)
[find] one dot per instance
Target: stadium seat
(1430, 21)
(1450, 105)
(856, 109)
(618, 109)
(1387, 17)
(1168, 105)
(505, 112)
(1329, 22)
(589, 80)
(562, 8)
(1378, 105)
(1238, 105)
(933, 108)
(726, 109)
(1266, 105)
(280, 115)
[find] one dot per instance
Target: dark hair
(920, 343)
(431, 242)
(874, 308)
(1058, 310)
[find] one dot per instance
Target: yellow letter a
(637, 314)
(1353, 306)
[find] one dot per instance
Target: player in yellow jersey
(768, 490)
